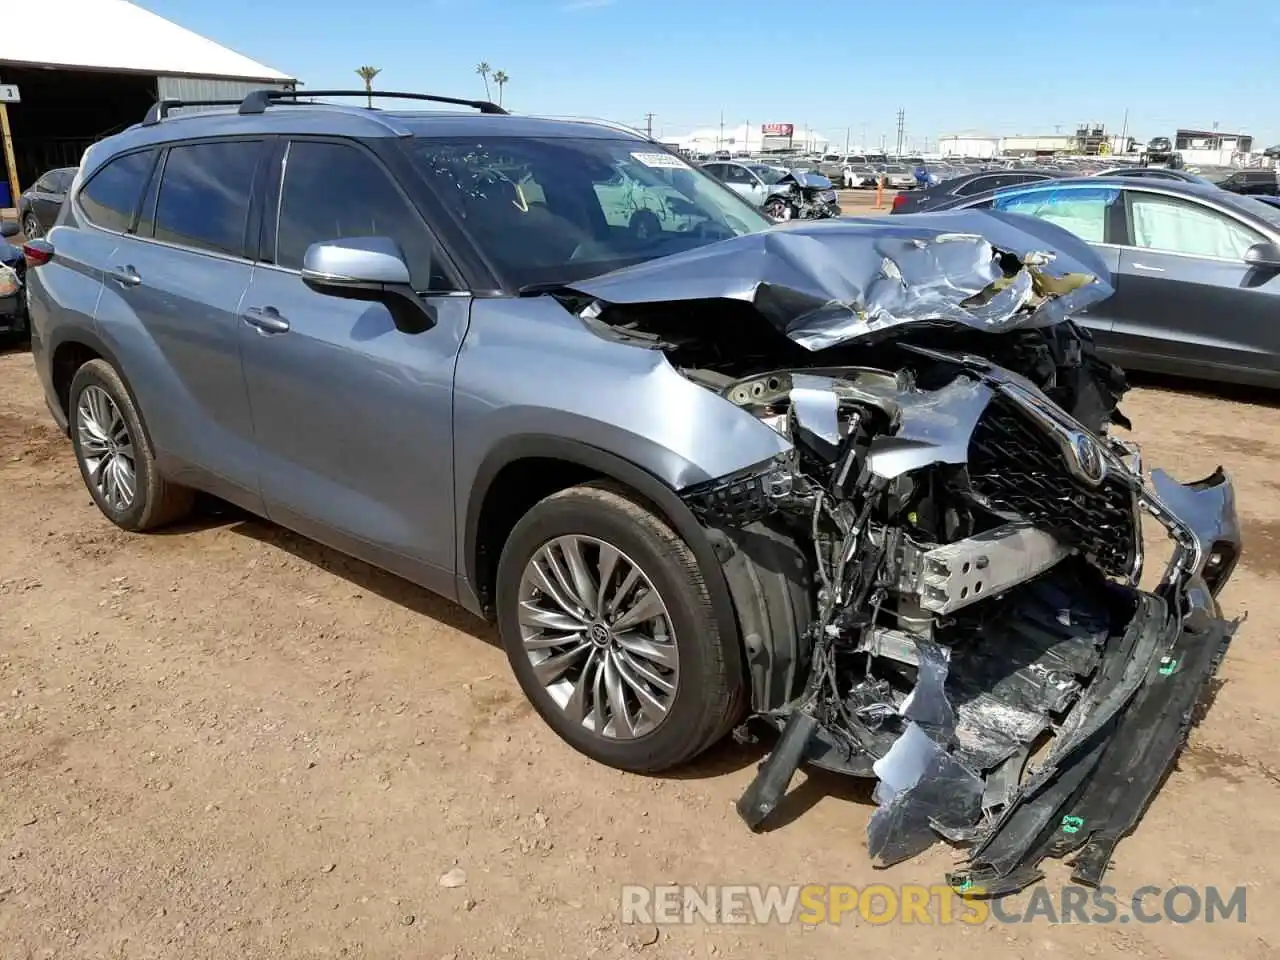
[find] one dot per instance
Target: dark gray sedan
(1196, 271)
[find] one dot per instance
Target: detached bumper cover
(1116, 748)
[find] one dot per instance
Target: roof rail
(258, 100)
(611, 124)
(160, 109)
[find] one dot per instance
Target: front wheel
(778, 209)
(31, 228)
(607, 623)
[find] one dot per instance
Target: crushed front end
(979, 642)
(938, 585)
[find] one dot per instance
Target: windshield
(895, 168)
(548, 211)
(769, 175)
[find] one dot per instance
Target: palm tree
(367, 74)
(482, 68)
(500, 78)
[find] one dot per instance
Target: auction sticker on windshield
(663, 160)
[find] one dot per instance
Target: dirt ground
(227, 742)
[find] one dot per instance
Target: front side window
(1180, 226)
(547, 210)
(203, 201)
(335, 191)
(110, 198)
(769, 175)
(1082, 211)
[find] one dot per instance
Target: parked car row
(1196, 268)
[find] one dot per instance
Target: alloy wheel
(598, 636)
(106, 449)
(31, 228)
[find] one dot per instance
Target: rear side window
(975, 186)
(332, 191)
(204, 195)
(110, 198)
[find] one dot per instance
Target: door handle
(1148, 269)
(125, 276)
(266, 319)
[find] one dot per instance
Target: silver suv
(855, 479)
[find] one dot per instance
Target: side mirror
(1263, 255)
(371, 269)
(10, 228)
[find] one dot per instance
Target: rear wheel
(608, 626)
(115, 455)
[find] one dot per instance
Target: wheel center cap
(599, 634)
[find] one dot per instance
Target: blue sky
(951, 66)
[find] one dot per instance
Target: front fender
(530, 368)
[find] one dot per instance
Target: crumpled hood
(807, 179)
(838, 281)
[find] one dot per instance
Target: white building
(89, 68)
(1210, 148)
(968, 145)
(744, 138)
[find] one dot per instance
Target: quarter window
(204, 195)
(110, 198)
(1179, 226)
(332, 191)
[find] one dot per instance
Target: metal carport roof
(118, 35)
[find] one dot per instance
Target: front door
(353, 418)
(1186, 302)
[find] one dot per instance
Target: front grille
(1015, 466)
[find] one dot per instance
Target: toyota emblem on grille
(1087, 461)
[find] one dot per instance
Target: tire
(155, 501)
(31, 228)
(707, 697)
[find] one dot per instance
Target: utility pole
(648, 125)
(901, 124)
(848, 131)
(1124, 132)
(720, 142)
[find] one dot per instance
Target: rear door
(353, 417)
(63, 294)
(171, 305)
(1186, 302)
